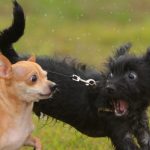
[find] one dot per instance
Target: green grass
(58, 136)
(84, 29)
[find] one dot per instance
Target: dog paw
(38, 145)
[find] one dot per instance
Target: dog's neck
(16, 116)
(9, 102)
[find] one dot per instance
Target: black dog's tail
(13, 33)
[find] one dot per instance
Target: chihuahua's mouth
(45, 95)
(120, 107)
(49, 95)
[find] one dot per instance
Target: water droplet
(70, 39)
(129, 20)
(45, 15)
(53, 30)
(78, 38)
(142, 28)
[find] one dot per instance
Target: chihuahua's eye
(110, 75)
(132, 75)
(34, 78)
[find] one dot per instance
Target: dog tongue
(120, 106)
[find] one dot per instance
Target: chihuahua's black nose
(110, 88)
(53, 87)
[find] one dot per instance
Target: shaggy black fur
(76, 104)
(13, 33)
(128, 87)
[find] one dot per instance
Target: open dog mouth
(120, 107)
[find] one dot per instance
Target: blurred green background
(88, 30)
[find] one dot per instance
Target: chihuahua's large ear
(122, 50)
(5, 67)
(32, 59)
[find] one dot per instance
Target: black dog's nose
(53, 87)
(110, 89)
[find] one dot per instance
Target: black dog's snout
(110, 89)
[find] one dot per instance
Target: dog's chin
(45, 96)
(48, 95)
(120, 108)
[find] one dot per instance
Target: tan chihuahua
(21, 84)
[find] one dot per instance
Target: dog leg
(34, 142)
(143, 138)
(142, 133)
(124, 142)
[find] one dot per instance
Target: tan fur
(17, 94)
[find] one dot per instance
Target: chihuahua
(21, 84)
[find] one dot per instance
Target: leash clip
(88, 82)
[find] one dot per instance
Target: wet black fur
(75, 103)
(13, 33)
(129, 79)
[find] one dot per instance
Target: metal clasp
(88, 82)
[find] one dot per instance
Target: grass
(58, 136)
(84, 29)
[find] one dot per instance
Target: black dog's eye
(34, 78)
(110, 75)
(132, 75)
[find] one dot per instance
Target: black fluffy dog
(75, 103)
(82, 107)
(128, 87)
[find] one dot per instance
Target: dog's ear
(122, 50)
(32, 59)
(5, 67)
